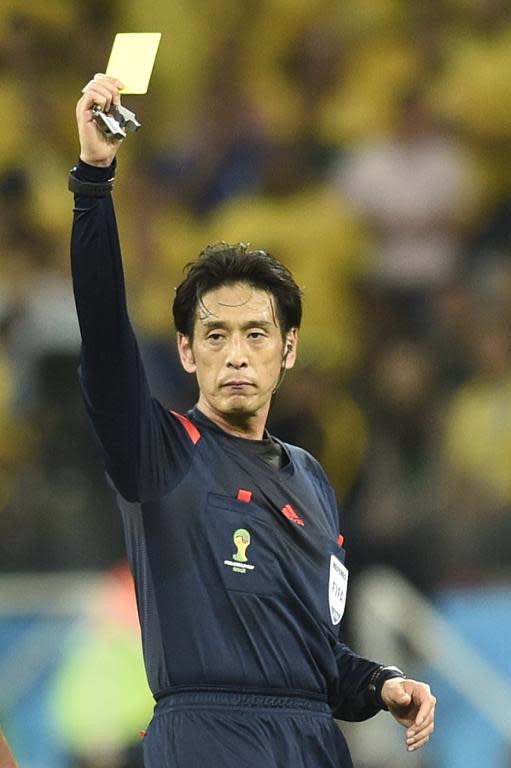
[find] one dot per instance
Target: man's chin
(239, 408)
(241, 405)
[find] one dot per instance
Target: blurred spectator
(477, 452)
(415, 191)
(395, 520)
(44, 322)
(330, 424)
(491, 242)
(15, 434)
(472, 91)
(224, 146)
(450, 336)
(59, 512)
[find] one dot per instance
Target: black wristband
(378, 678)
(89, 188)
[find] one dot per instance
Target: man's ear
(184, 346)
(290, 348)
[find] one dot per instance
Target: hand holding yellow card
(132, 59)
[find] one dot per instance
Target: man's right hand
(96, 148)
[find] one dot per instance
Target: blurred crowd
(365, 144)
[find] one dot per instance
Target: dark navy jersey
(234, 557)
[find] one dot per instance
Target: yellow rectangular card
(132, 59)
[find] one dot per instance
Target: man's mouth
(237, 384)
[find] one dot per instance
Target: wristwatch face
(393, 669)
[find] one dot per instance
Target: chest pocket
(241, 546)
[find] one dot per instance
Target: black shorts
(218, 730)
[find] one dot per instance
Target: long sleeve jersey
(234, 559)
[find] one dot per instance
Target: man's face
(237, 352)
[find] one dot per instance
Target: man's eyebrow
(208, 324)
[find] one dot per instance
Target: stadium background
(367, 144)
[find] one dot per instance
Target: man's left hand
(413, 706)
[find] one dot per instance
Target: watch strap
(380, 676)
(89, 188)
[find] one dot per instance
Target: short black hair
(223, 264)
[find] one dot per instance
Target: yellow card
(132, 59)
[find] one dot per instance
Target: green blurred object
(101, 700)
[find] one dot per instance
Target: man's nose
(236, 354)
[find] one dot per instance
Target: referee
(233, 536)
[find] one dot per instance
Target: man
(241, 649)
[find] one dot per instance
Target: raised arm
(109, 358)
(129, 425)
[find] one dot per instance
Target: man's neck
(248, 426)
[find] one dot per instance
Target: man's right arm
(127, 422)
